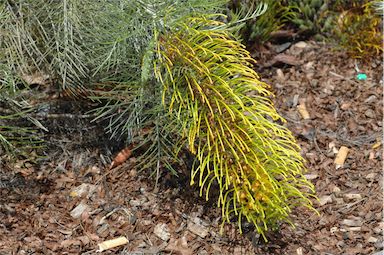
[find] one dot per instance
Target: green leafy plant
(259, 29)
(211, 87)
(359, 30)
(170, 75)
(311, 16)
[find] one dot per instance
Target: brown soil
(37, 201)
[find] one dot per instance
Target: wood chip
(352, 196)
(354, 229)
(280, 75)
(379, 228)
(283, 59)
(85, 189)
(303, 110)
(299, 251)
(352, 223)
(112, 243)
(197, 229)
(336, 190)
(325, 200)
(345, 106)
(341, 156)
(311, 176)
(301, 45)
(162, 232)
(286, 59)
(69, 242)
(78, 210)
(334, 230)
(179, 246)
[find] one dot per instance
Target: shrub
(359, 29)
(173, 71)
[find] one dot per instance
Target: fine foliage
(259, 30)
(209, 84)
(312, 17)
(360, 29)
(169, 76)
(15, 139)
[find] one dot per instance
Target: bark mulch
(72, 202)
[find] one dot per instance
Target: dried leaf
(376, 145)
(70, 242)
(286, 59)
(121, 157)
(36, 78)
(179, 246)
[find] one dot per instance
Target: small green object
(361, 76)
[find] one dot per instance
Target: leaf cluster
(311, 16)
(15, 139)
(260, 28)
(359, 30)
(209, 84)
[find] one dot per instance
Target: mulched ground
(71, 203)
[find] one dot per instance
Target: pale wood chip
(109, 244)
(341, 156)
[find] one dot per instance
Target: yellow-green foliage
(359, 31)
(229, 123)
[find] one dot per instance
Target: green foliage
(209, 84)
(259, 29)
(359, 30)
(311, 16)
(169, 76)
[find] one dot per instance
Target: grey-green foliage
(103, 45)
(14, 139)
(106, 48)
(77, 40)
(311, 16)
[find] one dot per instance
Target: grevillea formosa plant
(230, 123)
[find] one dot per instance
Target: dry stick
(51, 115)
(347, 207)
(157, 174)
(364, 139)
(109, 171)
(343, 77)
(315, 142)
